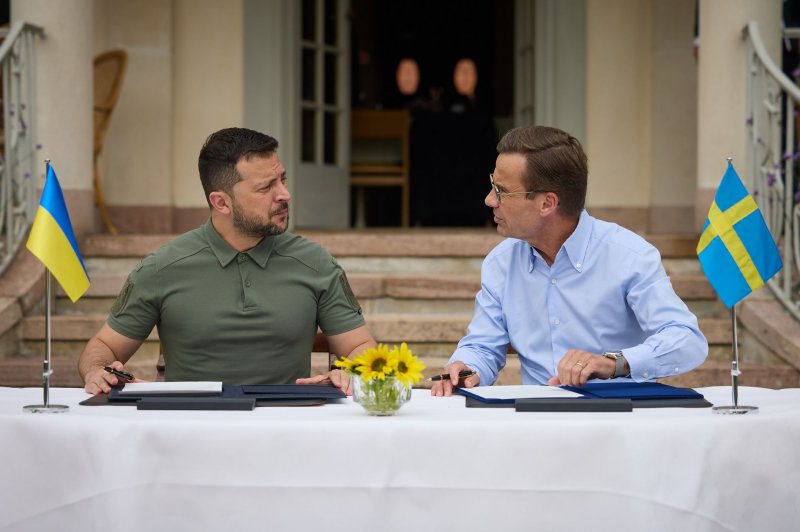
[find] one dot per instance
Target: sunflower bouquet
(383, 377)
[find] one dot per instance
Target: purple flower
(771, 177)
(39, 146)
(749, 121)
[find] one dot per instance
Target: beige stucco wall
(721, 86)
(618, 102)
(208, 85)
(184, 80)
(64, 96)
(136, 165)
(673, 165)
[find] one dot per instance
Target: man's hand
(445, 387)
(336, 377)
(98, 380)
(577, 367)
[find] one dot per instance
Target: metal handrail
(772, 105)
(17, 161)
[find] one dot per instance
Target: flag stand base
(46, 409)
(732, 410)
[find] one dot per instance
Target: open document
(509, 394)
(167, 388)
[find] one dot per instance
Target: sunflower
(346, 364)
(373, 363)
(406, 366)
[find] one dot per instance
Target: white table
(435, 466)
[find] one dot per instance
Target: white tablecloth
(435, 466)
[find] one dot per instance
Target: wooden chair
(381, 125)
(320, 346)
(109, 72)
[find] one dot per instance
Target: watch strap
(619, 362)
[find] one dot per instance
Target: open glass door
(322, 196)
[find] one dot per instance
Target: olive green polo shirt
(240, 317)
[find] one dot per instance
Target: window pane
(309, 20)
(308, 75)
(330, 78)
(308, 135)
(330, 138)
(330, 22)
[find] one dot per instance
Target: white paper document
(524, 391)
(163, 388)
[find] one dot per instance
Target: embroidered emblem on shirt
(122, 298)
(348, 292)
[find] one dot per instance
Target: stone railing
(18, 150)
(772, 158)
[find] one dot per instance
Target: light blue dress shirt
(606, 291)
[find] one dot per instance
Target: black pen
(118, 373)
(463, 374)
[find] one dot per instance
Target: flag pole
(46, 407)
(735, 372)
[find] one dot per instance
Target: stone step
(395, 293)
(689, 286)
(374, 243)
(386, 328)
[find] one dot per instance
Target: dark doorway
(453, 133)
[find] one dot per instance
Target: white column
(618, 110)
(721, 128)
(208, 89)
(64, 97)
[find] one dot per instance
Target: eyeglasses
(500, 194)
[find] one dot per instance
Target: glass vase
(380, 397)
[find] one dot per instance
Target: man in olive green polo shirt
(238, 299)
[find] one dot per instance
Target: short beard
(255, 228)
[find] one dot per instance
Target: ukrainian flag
(52, 241)
(736, 249)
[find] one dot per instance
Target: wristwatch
(619, 360)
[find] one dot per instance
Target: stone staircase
(415, 286)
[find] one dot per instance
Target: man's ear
(550, 203)
(220, 202)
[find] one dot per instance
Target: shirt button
(242, 258)
(552, 281)
(556, 321)
(578, 265)
(247, 283)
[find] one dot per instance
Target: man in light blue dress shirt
(578, 298)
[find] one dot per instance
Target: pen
(118, 373)
(463, 374)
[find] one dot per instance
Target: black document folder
(575, 404)
(262, 395)
(195, 403)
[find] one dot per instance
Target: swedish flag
(52, 241)
(736, 249)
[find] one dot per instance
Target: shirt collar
(574, 248)
(225, 253)
(577, 244)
